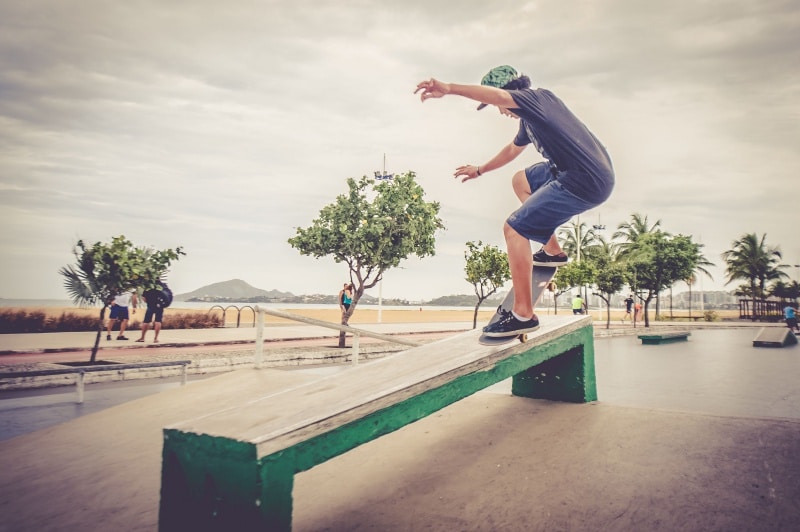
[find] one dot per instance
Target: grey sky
(222, 126)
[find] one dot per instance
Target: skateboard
(541, 276)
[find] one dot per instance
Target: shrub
(21, 321)
(186, 320)
(710, 315)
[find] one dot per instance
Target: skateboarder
(577, 175)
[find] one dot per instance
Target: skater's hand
(432, 88)
(469, 171)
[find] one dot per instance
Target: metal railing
(82, 371)
(357, 333)
(238, 313)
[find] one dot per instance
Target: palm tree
(751, 259)
(603, 249)
(700, 265)
(630, 232)
(575, 238)
(576, 241)
(85, 287)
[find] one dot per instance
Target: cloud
(222, 127)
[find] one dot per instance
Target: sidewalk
(81, 341)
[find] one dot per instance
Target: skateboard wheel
(523, 337)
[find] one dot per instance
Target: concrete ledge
(664, 337)
(234, 469)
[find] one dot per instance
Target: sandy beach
(362, 315)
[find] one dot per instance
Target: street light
(381, 175)
(597, 227)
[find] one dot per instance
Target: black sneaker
(540, 258)
(508, 325)
(122, 337)
(108, 337)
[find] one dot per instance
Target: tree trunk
(475, 314)
(342, 334)
(99, 334)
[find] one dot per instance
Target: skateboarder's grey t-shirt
(561, 138)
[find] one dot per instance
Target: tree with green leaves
(372, 228)
(656, 260)
(573, 274)
(487, 270)
(105, 270)
(751, 259)
(785, 291)
(609, 275)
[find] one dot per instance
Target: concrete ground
(697, 435)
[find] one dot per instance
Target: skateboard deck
(540, 278)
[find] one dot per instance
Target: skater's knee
(521, 186)
(509, 232)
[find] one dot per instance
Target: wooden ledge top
(274, 419)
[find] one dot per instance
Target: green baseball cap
(499, 77)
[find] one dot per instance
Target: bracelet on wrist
(479, 170)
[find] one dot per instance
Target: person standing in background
(346, 297)
(119, 313)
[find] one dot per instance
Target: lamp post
(597, 228)
(381, 175)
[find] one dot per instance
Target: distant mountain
(233, 290)
(466, 300)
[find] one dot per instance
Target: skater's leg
(552, 247)
(520, 262)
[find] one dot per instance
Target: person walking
(637, 312)
(577, 175)
(628, 308)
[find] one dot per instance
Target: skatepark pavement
(701, 435)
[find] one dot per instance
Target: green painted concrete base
(219, 484)
(653, 339)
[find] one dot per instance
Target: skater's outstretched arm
(433, 88)
(503, 157)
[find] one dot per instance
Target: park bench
(665, 337)
(234, 469)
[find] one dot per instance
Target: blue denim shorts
(549, 206)
(118, 313)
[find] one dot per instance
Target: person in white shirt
(119, 313)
